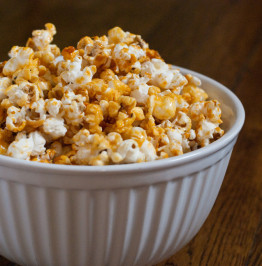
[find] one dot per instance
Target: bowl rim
(228, 137)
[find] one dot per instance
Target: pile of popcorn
(110, 100)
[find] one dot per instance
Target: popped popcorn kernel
(116, 35)
(54, 127)
(20, 57)
(107, 100)
(164, 108)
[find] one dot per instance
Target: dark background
(221, 39)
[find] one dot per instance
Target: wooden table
(221, 39)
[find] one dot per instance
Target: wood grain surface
(221, 39)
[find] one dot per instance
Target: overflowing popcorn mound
(110, 100)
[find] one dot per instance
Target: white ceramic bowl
(136, 214)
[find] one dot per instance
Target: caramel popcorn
(110, 100)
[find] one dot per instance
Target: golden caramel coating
(109, 100)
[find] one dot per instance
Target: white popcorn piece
(120, 52)
(141, 93)
(39, 108)
(183, 121)
(124, 54)
(174, 145)
(210, 109)
(205, 132)
(74, 74)
(54, 127)
(149, 151)
(186, 145)
(136, 51)
(20, 56)
(73, 107)
(38, 143)
(23, 94)
(174, 135)
(130, 152)
(160, 74)
(42, 38)
(58, 59)
(53, 106)
(81, 137)
(181, 104)
(134, 80)
(15, 120)
(192, 134)
(21, 148)
(90, 148)
(5, 82)
(83, 155)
